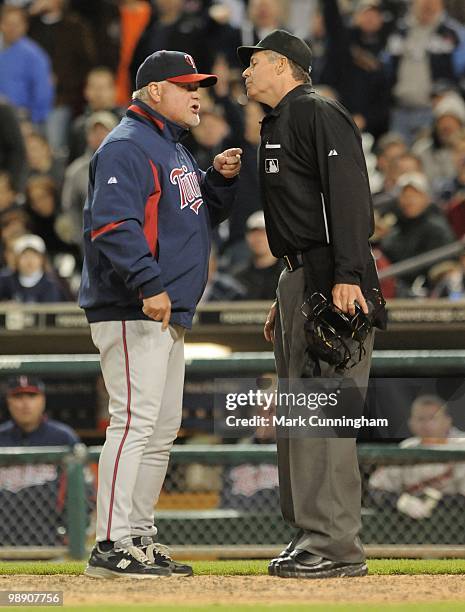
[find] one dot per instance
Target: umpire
(319, 217)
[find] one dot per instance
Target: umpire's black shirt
(314, 184)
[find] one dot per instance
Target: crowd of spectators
(67, 70)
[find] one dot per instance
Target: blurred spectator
(172, 28)
(386, 200)
(420, 226)
(13, 224)
(25, 70)
(42, 206)
(7, 192)
(103, 17)
(135, 15)
(436, 151)
(254, 487)
(30, 283)
(417, 490)
(209, 135)
(221, 37)
(264, 16)
(220, 287)
(70, 45)
(100, 95)
(248, 193)
(427, 46)
(12, 149)
(454, 191)
(41, 160)
(32, 496)
(74, 195)
(259, 277)
(353, 63)
(447, 280)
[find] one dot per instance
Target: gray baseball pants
(143, 370)
(319, 478)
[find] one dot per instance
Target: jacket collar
(143, 112)
(294, 93)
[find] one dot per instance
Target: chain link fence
(227, 495)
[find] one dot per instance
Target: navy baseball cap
(173, 66)
(25, 384)
(284, 43)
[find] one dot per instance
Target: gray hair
(298, 73)
(141, 94)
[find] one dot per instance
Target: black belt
(293, 261)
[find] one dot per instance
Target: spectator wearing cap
(420, 226)
(25, 70)
(28, 425)
(425, 47)
(98, 126)
(436, 150)
(30, 283)
(99, 95)
(32, 497)
(260, 276)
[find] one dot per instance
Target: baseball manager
(147, 226)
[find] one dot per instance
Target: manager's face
(259, 76)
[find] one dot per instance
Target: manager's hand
(228, 163)
(268, 330)
(345, 296)
(158, 308)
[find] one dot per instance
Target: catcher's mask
(335, 337)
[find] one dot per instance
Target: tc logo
(271, 166)
(190, 60)
(189, 188)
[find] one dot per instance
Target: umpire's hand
(158, 308)
(345, 296)
(228, 163)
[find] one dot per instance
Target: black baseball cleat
(273, 567)
(159, 554)
(124, 560)
(302, 564)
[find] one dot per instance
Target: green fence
(223, 521)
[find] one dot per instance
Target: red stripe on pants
(126, 431)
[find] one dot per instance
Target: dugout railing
(201, 518)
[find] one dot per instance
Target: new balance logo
(112, 180)
(332, 152)
(124, 563)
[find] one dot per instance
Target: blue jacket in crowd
(148, 220)
(26, 78)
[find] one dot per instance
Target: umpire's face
(260, 78)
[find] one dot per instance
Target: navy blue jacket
(148, 220)
(49, 433)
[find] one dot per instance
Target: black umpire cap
(284, 43)
(173, 66)
(25, 384)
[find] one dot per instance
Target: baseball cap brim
(245, 53)
(204, 80)
(31, 390)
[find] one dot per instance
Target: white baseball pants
(143, 370)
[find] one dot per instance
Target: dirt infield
(245, 589)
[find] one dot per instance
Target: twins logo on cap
(190, 60)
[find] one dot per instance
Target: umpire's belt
(293, 261)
